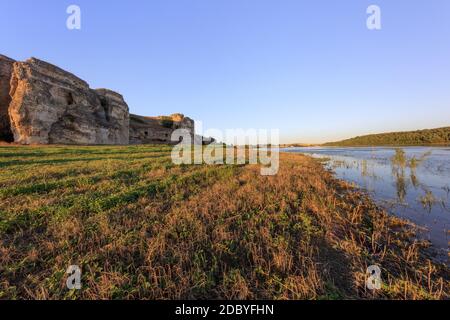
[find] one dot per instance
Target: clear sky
(308, 67)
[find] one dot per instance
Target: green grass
(143, 228)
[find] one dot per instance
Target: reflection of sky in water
(420, 194)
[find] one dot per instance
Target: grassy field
(143, 228)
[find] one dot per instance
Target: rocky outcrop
(6, 67)
(147, 130)
(43, 104)
(52, 106)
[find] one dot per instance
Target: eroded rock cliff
(52, 106)
(6, 67)
(43, 104)
(144, 130)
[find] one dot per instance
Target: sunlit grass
(143, 228)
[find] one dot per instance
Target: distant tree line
(440, 136)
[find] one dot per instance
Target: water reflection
(412, 182)
(428, 200)
(400, 163)
(400, 183)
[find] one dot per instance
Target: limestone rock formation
(144, 130)
(51, 106)
(43, 104)
(6, 67)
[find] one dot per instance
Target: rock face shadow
(6, 67)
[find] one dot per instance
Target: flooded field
(412, 183)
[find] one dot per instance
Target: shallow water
(410, 182)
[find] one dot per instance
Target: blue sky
(310, 68)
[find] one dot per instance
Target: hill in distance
(439, 136)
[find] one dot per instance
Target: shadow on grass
(71, 160)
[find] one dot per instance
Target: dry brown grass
(141, 228)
